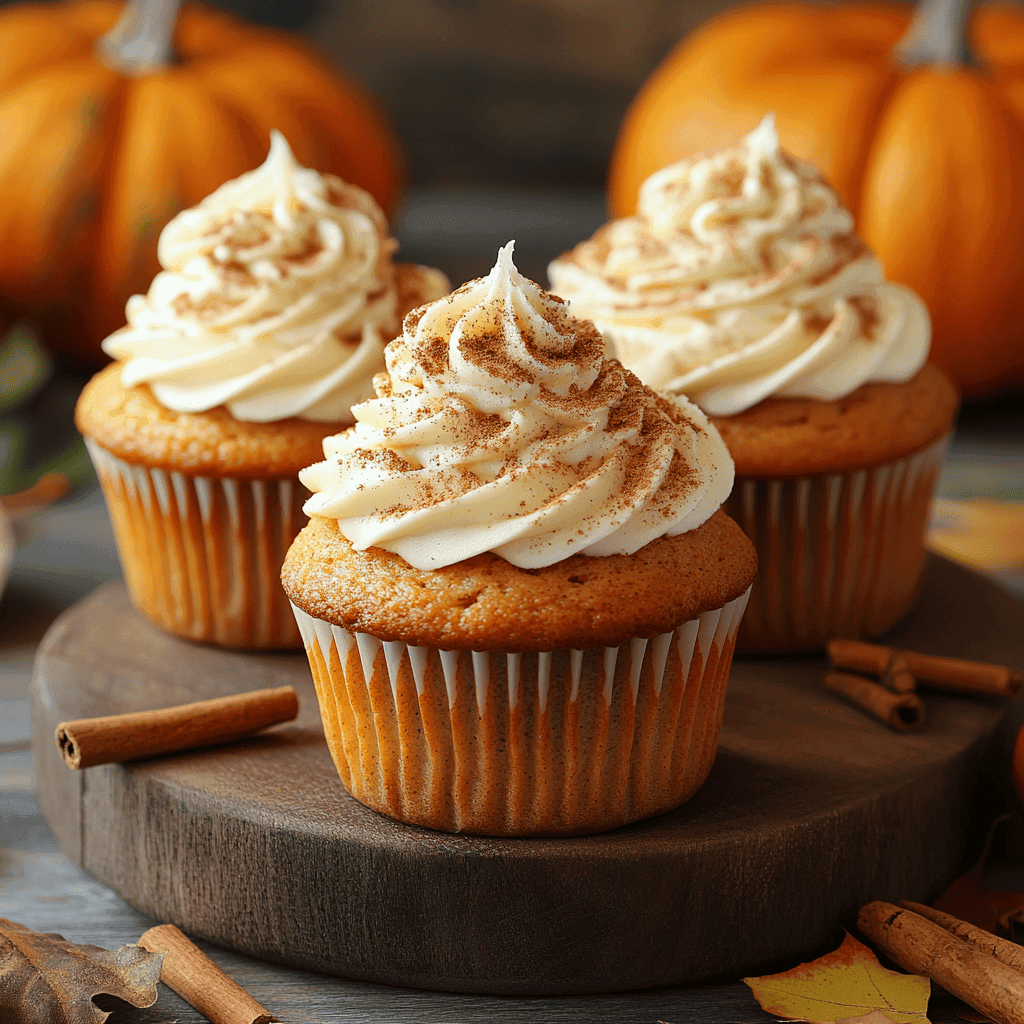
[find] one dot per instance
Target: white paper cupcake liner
(840, 554)
(565, 741)
(202, 555)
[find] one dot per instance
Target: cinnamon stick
(958, 676)
(898, 676)
(953, 674)
(200, 982)
(886, 664)
(1010, 953)
(924, 947)
(87, 742)
(901, 711)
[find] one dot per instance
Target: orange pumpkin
(99, 152)
(926, 149)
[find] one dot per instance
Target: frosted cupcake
(740, 283)
(517, 590)
(266, 325)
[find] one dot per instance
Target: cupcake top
(500, 427)
(739, 278)
(277, 297)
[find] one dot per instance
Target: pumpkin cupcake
(740, 283)
(268, 322)
(517, 590)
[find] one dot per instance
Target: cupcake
(266, 325)
(517, 590)
(740, 283)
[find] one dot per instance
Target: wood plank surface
(811, 810)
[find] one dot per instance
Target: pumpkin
(924, 146)
(106, 136)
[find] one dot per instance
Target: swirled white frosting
(277, 297)
(499, 426)
(740, 278)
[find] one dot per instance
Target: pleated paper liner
(548, 743)
(202, 555)
(839, 555)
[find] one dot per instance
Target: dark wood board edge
(552, 931)
(122, 862)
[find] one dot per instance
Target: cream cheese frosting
(740, 278)
(277, 297)
(499, 426)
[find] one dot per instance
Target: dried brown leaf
(47, 980)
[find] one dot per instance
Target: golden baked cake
(741, 283)
(517, 590)
(267, 323)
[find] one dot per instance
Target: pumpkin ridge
(59, 270)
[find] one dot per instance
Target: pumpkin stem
(140, 42)
(937, 36)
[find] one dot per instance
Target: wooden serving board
(811, 810)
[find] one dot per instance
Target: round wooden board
(811, 810)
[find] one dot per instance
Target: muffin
(740, 283)
(267, 323)
(517, 590)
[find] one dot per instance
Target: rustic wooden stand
(811, 810)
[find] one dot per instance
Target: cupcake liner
(202, 555)
(839, 555)
(555, 742)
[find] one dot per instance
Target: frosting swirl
(740, 277)
(499, 426)
(277, 297)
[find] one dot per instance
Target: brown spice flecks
(409, 281)
(336, 194)
(482, 428)
(246, 230)
(816, 323)
(680, 482)
(412, 319)
(311, 248)
(386, 459)
(845, 249)
(486, 349)
(432, 491)
(629, 412)
(432, 354)
(731, 181)
(675, 414)
(867, 309)
(234, 272)
(208, 308)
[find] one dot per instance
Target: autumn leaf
(46, 980)
(995, 910)
(846, 983)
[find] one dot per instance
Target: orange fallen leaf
(846, 983)
(971, 900)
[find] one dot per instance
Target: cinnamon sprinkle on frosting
(514, 435)
(740, 278)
